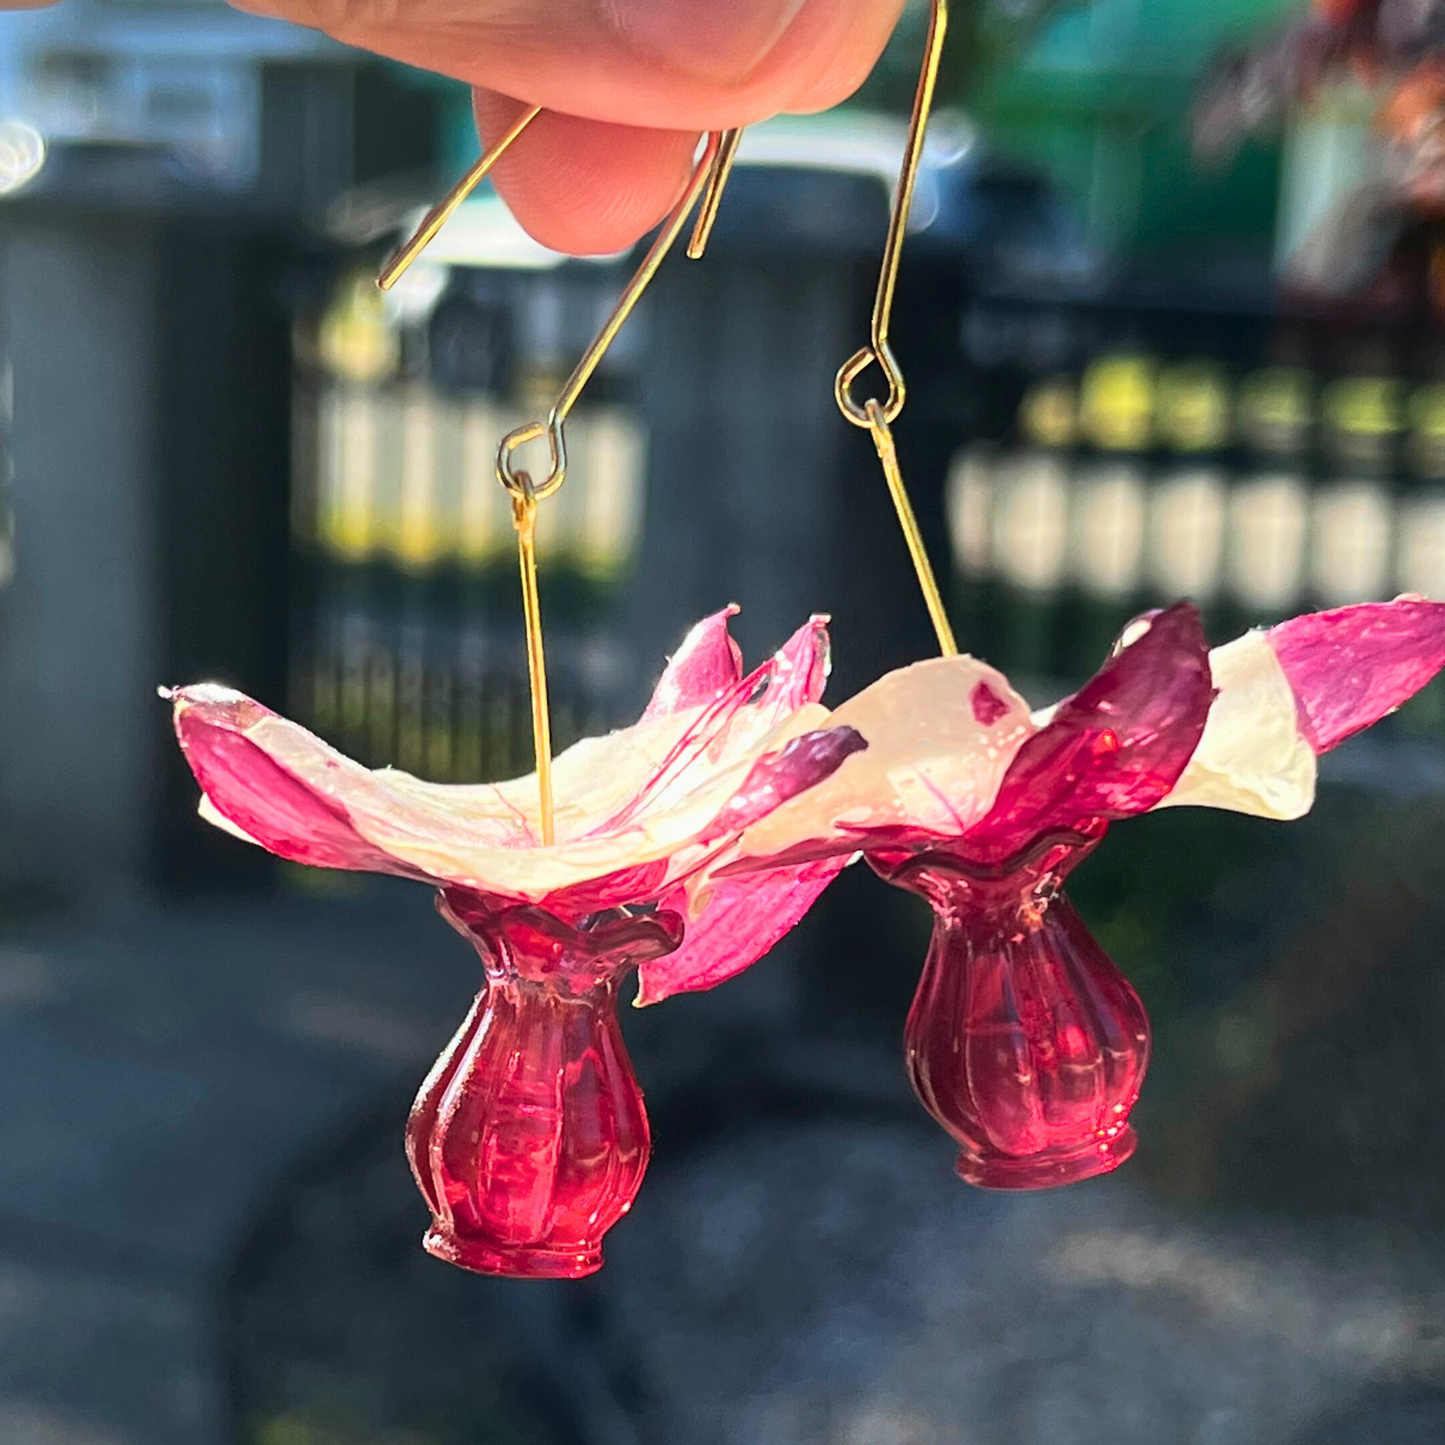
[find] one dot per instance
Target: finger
(586, 187)
(674, 64)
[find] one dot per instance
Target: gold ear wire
(441, 213)
(717, 178)
(877, 416)
(709, 177)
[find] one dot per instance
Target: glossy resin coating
(1024, 1040)
(529, 1139)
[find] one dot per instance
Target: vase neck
(955, 883)
(527, 943)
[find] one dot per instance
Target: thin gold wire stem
(717, 178)
(927, 582)
(441, 213)
(878, 416)
(524, 513)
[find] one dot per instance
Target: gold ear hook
(441, 213)
(877, 416)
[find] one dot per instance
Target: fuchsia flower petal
(1113, 749)
(265, 801)
(734, 720)
(709, 662)
(741, 919)
(1350, 666)
(782, 775)
(638, 811)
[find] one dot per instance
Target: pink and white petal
(740, 921)
(1350, 666)
(707, 664)
(734, 726)
(290, 792)
(258, 798)
(777, 778)
(802, 665)
(700, 825)
(941, 735)
(1252, 758)
(1116, 747)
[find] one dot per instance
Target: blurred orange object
(1339, 12)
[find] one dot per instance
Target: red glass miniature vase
(529, 1139)
(1024, 1040)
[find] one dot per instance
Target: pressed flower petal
(1114, 748)
(708, 663)
(1252, 758)
(932, 763)
(780, 776)
(802, 666)
(741, 919)
(261, 801)
(1350, 666)
(303, 800)
(734, 725)
(285, 789)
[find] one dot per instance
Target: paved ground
(158, 1073)
(802, 1268)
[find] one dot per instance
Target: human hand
(627, 86)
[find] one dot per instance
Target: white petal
(1252, 758)
(930, 764)
(213, 815)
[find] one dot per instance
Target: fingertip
(585, 187)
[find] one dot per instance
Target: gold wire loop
(519, 482)
(442, 212)
(878, 416)
(853, 368)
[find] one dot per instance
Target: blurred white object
(185, 76)
(22, 153)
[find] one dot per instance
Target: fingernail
(718, 41)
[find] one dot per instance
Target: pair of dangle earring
(682, 848)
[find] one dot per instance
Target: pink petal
(743, 918)
(1350, 666)
(794, 675)
(1113, 749)
(253, 791)
(800, 667)
(639, 883)
(773, 779)
(707, 664)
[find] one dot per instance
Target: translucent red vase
(529, 1138)
(1024, 1040)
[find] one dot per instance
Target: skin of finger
(583, 186)
(584, 58)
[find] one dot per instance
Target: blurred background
(1173, 318)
